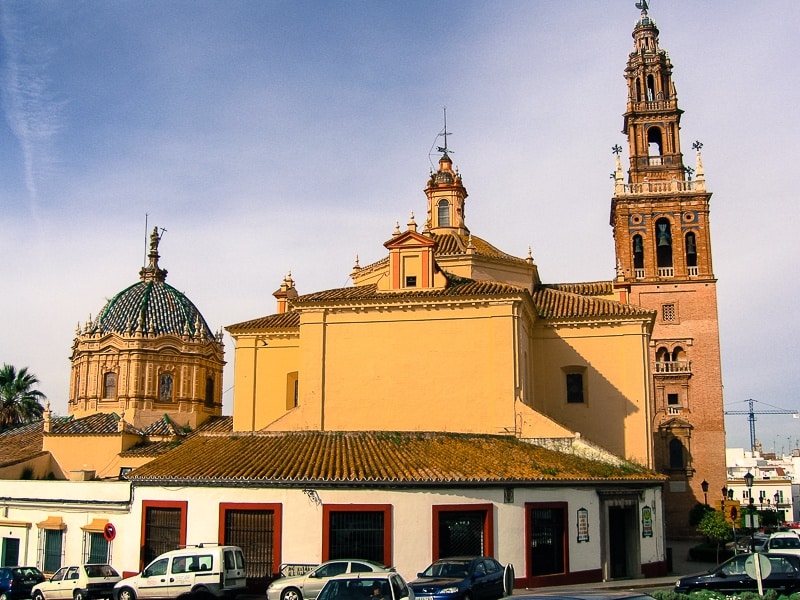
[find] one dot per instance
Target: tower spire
(152, 272)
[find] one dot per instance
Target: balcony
(638, 273)
(659, 187)
(673, 366)
(666, 271)
(693, 271)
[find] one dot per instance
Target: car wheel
(78, 595)
(38, 596)
(508, 580)
(467, 596)
(3, 596)
(291, 594)
(126, 593)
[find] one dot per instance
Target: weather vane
(697, 145)
(616, 149)
(642, 5)
(443, 149)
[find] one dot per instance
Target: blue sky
(270, 136)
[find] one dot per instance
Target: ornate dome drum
(148, 353)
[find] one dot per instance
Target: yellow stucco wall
(616, 411)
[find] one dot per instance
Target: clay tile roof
(97, 424)
(286, 320)
(305, 457)
(20, 443)
(164, 426)
(453, 243)
(215, 425)
(150, 449)
(585, 288)
(456, 287)
(554, 304)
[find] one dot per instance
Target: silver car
(308, 586)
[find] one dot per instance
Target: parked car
(731, 576)
(79, 582)
(17, 582)
(746, 543)
(784, 542)
(308, 586)
(464, 578)
(200, 570)
(385, 585)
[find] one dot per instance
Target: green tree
(714, 526)
(20, 401)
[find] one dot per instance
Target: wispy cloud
(33, 115)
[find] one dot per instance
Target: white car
(308, 586)
(78, 582)
(367, 586)
(785, 542)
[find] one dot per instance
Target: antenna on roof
(144, 257)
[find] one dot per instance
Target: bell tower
(660, 220)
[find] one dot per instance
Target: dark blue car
(464, 578)
(16, 582)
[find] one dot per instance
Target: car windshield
(447, 568)
(361, 588)
(784, 542)
(28, 574)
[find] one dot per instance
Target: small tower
(660, 219)
(446, 195)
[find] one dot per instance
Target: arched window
(691, 250)
(110, 385)
(638, 252)
(676, 460)
(651, 88)
(638, 90)
(663, 235)
(655, 145)
(209, 391)
(165, 387)
(662, 355)
(444, 213)
(678, 354)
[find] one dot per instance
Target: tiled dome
(151, 306)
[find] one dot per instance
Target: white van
(203, 570)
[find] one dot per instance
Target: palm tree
(20, 402)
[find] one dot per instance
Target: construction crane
(751, 416)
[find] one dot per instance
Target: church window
(411, 281)
(664, 248)
(638, 252)
(443, 213)
(676, 459)
(651, 88)
(165, 387)
(691, 250)
(575, 381)
(209, 391)
(668, 312)
(638, 90)
(110, 385)
(654, 145)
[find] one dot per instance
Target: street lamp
(704, 486)
(748, 481)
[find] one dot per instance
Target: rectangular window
(547, 541)
(96, 549)
(256, 529)
(672, 399)
(292, 388)
(575, 388)
(357, 531)
(164, 528)
(668, 312)
(51, 544)
(411, 281)
(463, 530)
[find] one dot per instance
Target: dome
(151, 306)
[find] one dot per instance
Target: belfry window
(691, 250)
(165, 387)
(443, 214)
(655, 146)
(209, 391)
(110, 385)
(651, 88)
(638, 252)
(664, 248)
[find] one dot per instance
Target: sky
(275, 136)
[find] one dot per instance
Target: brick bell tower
(660, 220)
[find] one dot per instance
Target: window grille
(357, 534)
(254, 532)
(547, 540)
(668, 312)
(162, 531)
(461, 533)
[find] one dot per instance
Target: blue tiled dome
(151, 306)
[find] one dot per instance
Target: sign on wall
(647, 521)
(583, 525)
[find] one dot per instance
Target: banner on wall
(647, 521)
